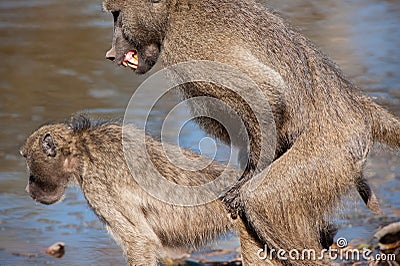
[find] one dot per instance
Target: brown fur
(325, 126)
(90, 154)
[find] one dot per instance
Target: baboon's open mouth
(131, 59)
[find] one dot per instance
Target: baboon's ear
(48, 146)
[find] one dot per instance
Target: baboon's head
(139, 29)
(50, 162)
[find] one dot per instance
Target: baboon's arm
(139, 242)
(116, 203)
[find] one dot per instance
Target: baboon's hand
(232, 200)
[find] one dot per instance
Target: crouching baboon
(91, 154)
(324, 125)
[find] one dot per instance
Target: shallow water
(53, 65)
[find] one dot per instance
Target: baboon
(324, 125)
(90, 153)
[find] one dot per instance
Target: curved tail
(385, 126)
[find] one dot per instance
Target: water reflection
(53, 65)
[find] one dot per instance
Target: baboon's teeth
(131, 65)
(131, 59)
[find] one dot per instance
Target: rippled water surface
(52, 64)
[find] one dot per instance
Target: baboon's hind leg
(288, 209)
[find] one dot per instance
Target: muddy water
(52, 64)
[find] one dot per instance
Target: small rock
(56, 250)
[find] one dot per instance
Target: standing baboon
(324, 125)
(91, 154)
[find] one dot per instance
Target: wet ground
(52, 64)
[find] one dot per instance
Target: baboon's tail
(385, 126)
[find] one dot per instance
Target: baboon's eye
(155, 1)
(23, 154)
(32, 179)
(115, 15)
